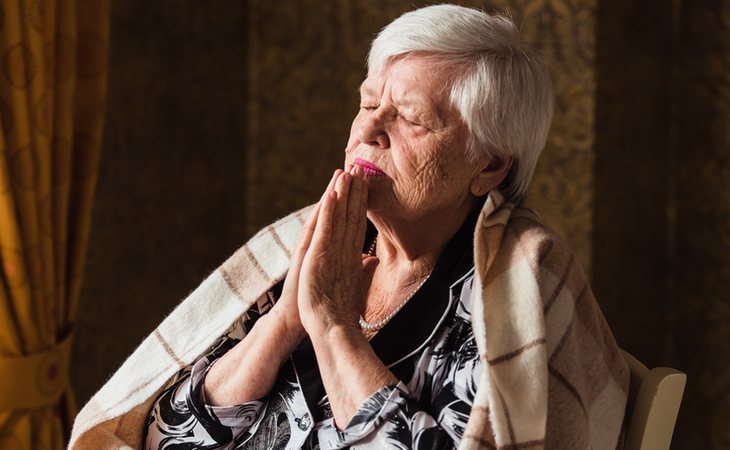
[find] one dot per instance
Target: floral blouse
(429, 346)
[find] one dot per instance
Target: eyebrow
(403, 101)
(434, 115)
(426, 110)
(366, 90)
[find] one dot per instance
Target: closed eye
(412, 122)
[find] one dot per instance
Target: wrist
(341, 333)
(351, 371)
(248, 370)
(289, 331)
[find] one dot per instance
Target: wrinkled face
(410, 141)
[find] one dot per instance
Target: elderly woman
(421, 308)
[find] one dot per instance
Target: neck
(415, 244)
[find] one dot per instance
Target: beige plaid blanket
(555, 376)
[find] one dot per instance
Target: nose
(371, 130)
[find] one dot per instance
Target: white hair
(500, 87)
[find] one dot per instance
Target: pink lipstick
(369, 168)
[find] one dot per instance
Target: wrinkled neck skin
(413, 245)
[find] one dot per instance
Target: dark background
(224, 115)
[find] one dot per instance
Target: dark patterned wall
(662, 204)
(562, 189)
(662, 208)
(700, 260)
(632, 173)
(170, 199)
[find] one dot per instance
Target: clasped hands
(329, 275)
(323, 296)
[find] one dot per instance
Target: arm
(217, 400)
(351, 371)
(429, 410)
(377, 406)
(331, 298)
(392, 418)
(180, 415)
(249, 370)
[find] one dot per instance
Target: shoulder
(516, 236)
(518, 249)
(527, 233)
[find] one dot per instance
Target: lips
(369, 168)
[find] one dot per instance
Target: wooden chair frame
(654, 399)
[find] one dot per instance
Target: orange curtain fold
(53, 61)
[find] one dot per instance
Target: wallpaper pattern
(700, 304)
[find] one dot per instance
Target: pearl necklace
(381, 323)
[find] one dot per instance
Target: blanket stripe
(555, 377)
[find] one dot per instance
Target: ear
(490, 176)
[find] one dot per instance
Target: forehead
(410, 79)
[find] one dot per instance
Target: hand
(334, 273)
(248, 371)
(286, 308)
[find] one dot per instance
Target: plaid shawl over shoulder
(555, 378)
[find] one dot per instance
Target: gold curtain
(53, 60)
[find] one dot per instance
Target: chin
(374, 203)
(377, 202)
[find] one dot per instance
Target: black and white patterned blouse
(429, 346)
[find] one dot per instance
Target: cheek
(438, 170)
(352, 140)
(433, 172)
(433, 162)
(426, 176)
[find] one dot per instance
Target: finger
(354, 210)
(309, 228)
(362, 223)
(296, 262)
(331, 185)
(312, 220)
(323, 229)
(311, 224)
(339, 219)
